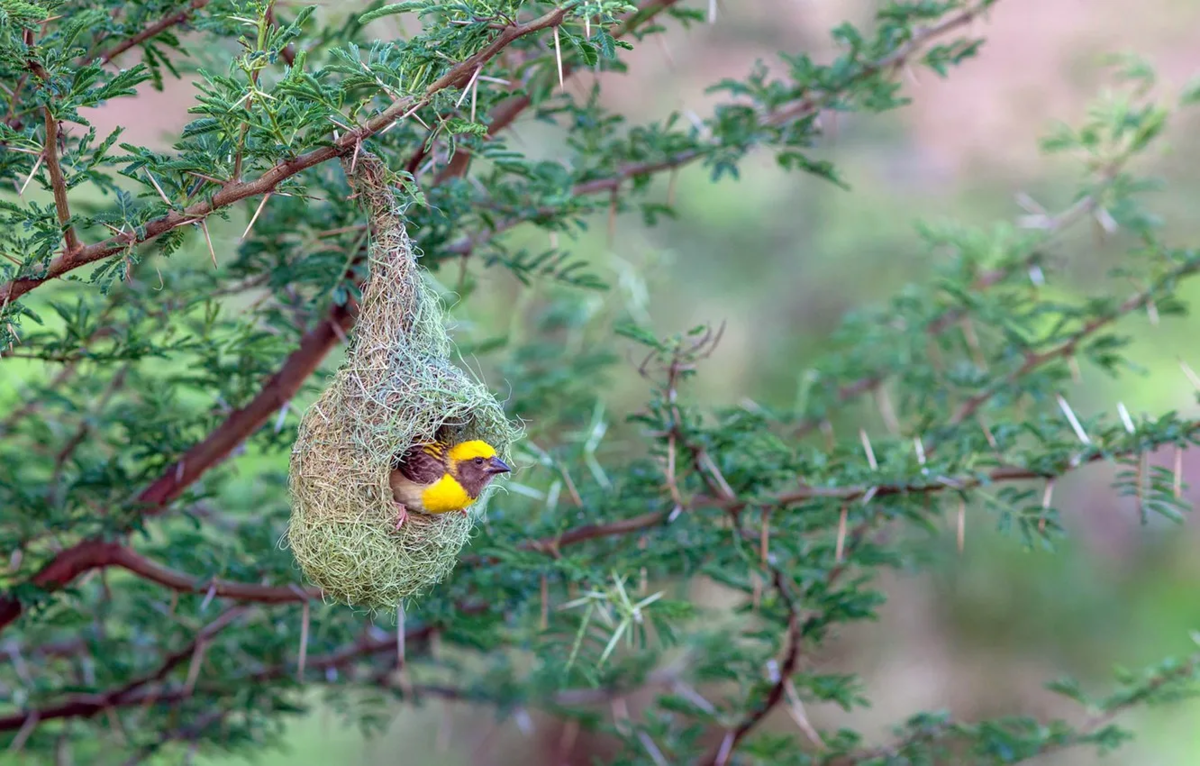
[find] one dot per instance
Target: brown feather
(421, 465)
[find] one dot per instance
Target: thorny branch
(134, 691)
(724, 751)
(234, 192)
(1071, 345)
(644, 521)
(158, 27)
(100, 554)
(505, 113)
(147, 689)
(802, 109)
(277, 391)
(718, 497)
(681, 360)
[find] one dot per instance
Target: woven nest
(397, 387)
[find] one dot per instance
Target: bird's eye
(478, 461)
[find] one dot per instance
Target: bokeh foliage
(153, 380)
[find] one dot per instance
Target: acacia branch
(143, 690)
(719, 499)
(801, 109)
(894, 61)
(100, 554)
(1068, 348)
(507, 111)
(1050, 224)
(58, 183)
(153, 30)
(267, 182)
(720, 756)
(133, 692)
(278, 390)
(1004, 474)
(683, 359)
(456, 76)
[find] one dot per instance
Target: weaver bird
(442, 477)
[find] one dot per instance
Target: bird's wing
(420, 466)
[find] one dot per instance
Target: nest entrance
(397, 387)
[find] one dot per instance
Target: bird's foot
(463, 511)
(403, 515)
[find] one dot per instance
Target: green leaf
(409, 6)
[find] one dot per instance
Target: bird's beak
(496, 465)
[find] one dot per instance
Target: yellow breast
(445, 495)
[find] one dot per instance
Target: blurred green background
(781, 258)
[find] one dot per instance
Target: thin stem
(58, 183)
(153, 30)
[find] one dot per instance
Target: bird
(441, 477)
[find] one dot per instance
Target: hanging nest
(396, 388)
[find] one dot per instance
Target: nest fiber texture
(397, 387)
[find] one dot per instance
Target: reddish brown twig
(154, 29)
(99, 554)
(721, 754)
(58, 183)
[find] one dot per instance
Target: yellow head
(471, 450)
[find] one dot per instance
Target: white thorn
(1128, 421)
(866, 442)
(1066, 408)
